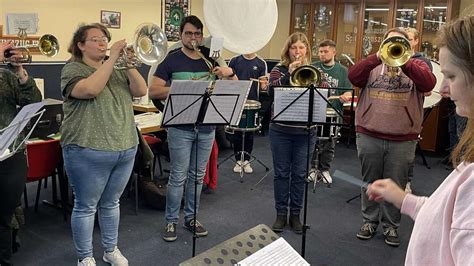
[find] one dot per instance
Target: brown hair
(416, 34)
(80, 37)
(458, 38)
(327, 42)
(285, 52)
(397, 30)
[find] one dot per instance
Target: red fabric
(151, 140)
(210, 179)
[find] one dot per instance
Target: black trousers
(12, 182)
(248, 144)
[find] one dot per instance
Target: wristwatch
(232, 75)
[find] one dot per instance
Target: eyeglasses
(98, 39)
(190, 34)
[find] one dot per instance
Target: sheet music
(149, 119)
(175, 112)
(298, 111)
(233, 90)
(16, 126)
(279, 252)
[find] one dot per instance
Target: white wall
(61, 18)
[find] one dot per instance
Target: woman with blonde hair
(443, 233)
(289, 142)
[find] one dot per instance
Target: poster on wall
(24, 21)
(174, 12)
(110, 19)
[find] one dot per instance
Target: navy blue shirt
(247, 69)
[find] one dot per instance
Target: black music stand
(9, 135)
(289, 104)
(204, 103)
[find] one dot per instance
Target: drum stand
(318, 175)
(242, 153)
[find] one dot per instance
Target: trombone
(48, 45)
(305, 75)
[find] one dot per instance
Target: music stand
(9, 135)
(204, 103)
(299, 106)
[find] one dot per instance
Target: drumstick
(349, 179)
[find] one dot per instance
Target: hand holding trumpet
(117, 49)
(7, 51)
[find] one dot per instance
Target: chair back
(43, 159)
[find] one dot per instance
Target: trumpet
(210, 65)
(149, 46)
(48, 45)
(305, 75)
(395, 51)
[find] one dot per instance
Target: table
(144, 108)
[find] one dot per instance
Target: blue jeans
(290, 164)
(182, 147)
(98, 179)
(383, 159)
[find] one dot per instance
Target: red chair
(43, 157)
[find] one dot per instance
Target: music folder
(10, 133)
(225, 102)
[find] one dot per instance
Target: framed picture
(111, 19)
(173, 12)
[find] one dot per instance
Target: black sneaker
(367, 231)
(200, 230)
(391, 237)
(169, 234)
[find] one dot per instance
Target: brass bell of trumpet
(48, 45)
(395, 51)
(305, 75)
(149, 46)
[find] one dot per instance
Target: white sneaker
(312, 175)
(87, 261)
(237, 167)
(408, 187)
(115, 258)
(327, 177)
(247, 168)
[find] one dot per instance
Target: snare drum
(249, 118)
(329, 131)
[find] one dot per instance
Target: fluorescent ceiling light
(436, 7)
(376, 9)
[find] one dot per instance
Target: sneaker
(367, 231)
(170, 232)
(391, 237)
(312, 175)
(247, 168)
(408, 187)
(238, 167)
(87, 261)
(200, 230)
(327, 177)
(115, 258)
(279, 224)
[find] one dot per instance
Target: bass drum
(435, 97)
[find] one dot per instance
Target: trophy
(297, 22)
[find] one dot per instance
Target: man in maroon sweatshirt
(388, 120)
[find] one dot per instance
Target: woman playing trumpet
(98, 136)
(289, 143)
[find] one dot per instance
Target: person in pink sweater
(443, 233)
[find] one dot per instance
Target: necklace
(327, 68)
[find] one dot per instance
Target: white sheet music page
(298, 111)
(228, 99)
(184, 101)
(10, 133)
(279, 252)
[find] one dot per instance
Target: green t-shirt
(332, 77)
(105, 122)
